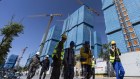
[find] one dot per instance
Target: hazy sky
(35, 27)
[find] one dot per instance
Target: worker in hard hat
(57, 57)
(86, 57)
(34, 64)
(45, 67)
(69, 61)
(93, 67)
(115, 60)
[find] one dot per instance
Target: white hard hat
(37, 53)
(47, 56)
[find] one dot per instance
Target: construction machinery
(89, 8)
(20, 57)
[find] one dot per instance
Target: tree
(104, 51)
(9, 32)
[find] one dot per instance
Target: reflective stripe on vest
(112, 58)
(93, 63)
(55, 52)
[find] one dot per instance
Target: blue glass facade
(79, 28)
(97, 44)
(11, 61)
(114, 28)
(53, 37)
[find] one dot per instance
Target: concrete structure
(11, 61)
(79, 28)
(123, 23)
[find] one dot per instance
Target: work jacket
(86, 56)
(93, 64)
(114, 55)
(58, 52)
(69, 58)
(45, 64)
(35, 61)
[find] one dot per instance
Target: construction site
(122, 25)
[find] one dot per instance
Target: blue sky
(35, 27)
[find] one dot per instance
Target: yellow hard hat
(113, 42)
(64, 36)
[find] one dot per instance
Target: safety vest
(112, 57)
(93, 64)
(55, 52)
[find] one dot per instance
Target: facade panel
(119, 38)
(137, 30)
(133, 9)
(111, 19)
(97, 44)
(106, 3)
(54, 36)
(80, 34)
(82, 31)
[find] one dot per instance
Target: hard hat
(37, 53)
(47, 56)
(72, 43)
(113, 42)
(64, 36)
(92, 56)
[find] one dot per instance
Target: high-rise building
(11, 61)
(122, 19)
(53, 38)
(79, 28)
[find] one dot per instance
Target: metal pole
(45, 35)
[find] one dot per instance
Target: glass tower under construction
(79, 27)
(122, 19)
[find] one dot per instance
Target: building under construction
(123, 23)
(11, 61)
(79, 27)
(53, 38)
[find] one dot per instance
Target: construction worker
(93, 67)
(57, 57)
(45, 67)
(86, 57)
(115, 60)
(34, 64)
(69, 62)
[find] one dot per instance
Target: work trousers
(86, 71)
(31, 72)
(56, 69)
(43, 71)
(68, 72)
(119, 70)
(93, 73)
